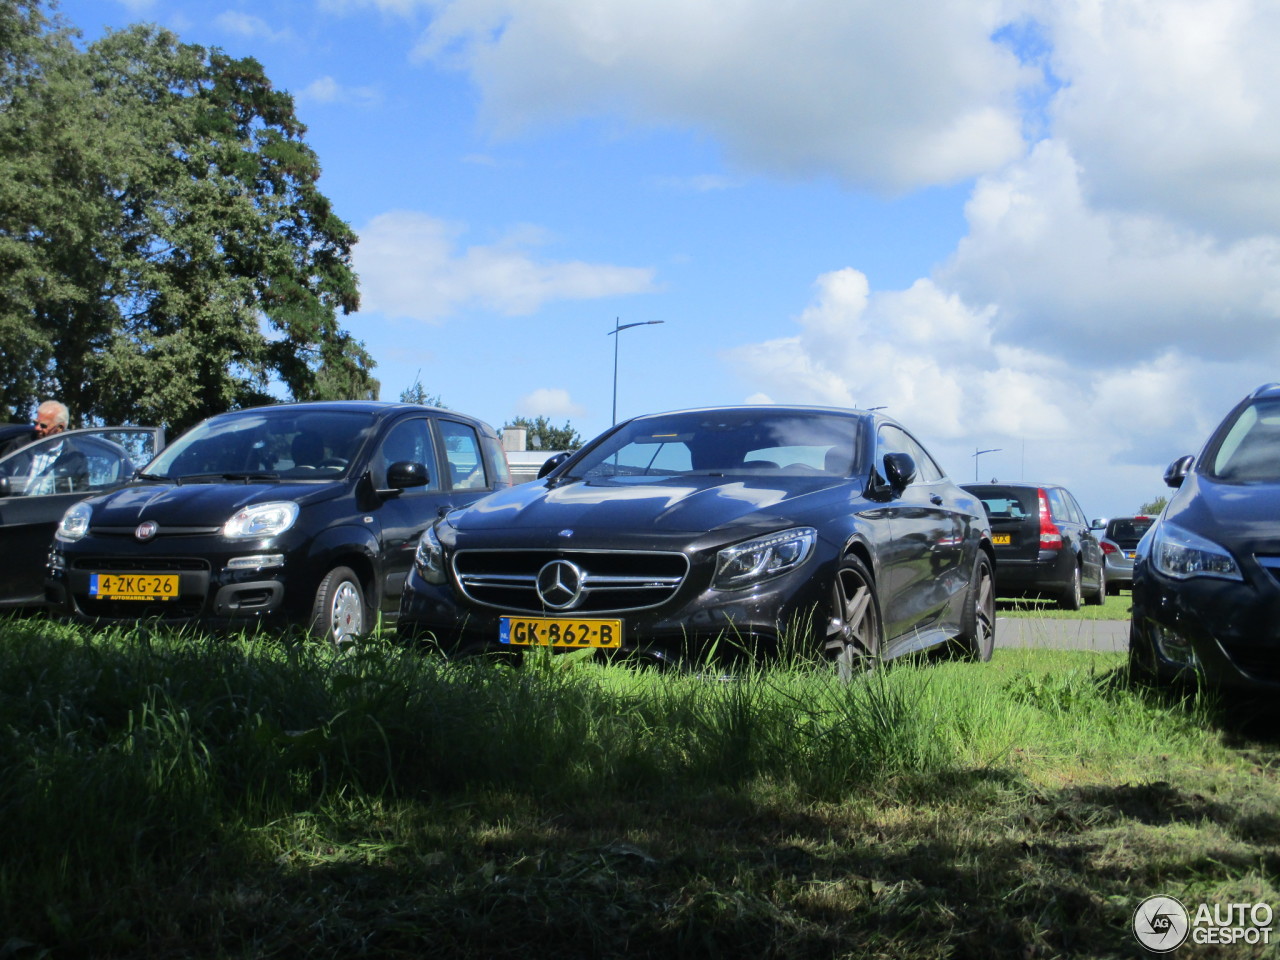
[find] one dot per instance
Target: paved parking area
(1062, 634)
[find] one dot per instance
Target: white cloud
(248, 25)
(412, 265)
(550, 402)
(328, 90)
(698, 183)
(1107, 287)
(1173, 106)
(876, 93)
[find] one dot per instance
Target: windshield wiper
(150, 476)
(241, 476)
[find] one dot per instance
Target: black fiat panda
(305, 513)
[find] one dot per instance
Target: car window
(1009, 503)
(306, 445)
(1058, 505)
(647, 456)
(1127, 531)
(1251, 448)
(895, 440)
(743, 442)
(463, 453)
(1073, 505)
(66, 465)
(410, 440)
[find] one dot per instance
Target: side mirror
(552, 462)
(899, 470)
(1178, 471)
(407, 473)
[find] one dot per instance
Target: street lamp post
(614, 333)
(976, 454)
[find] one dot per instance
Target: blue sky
(1050, 227)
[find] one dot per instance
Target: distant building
(524, 463)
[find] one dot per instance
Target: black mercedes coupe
(728, 528)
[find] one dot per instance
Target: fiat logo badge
(146, 530)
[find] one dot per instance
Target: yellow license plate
(557, 632)
(1002, 539)
(134, 586)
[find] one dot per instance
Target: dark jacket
(17, 443)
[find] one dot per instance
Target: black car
(745, 525)
(1044, 545)
(1206, 579)
(302, 513)
(40, 479)
(1119, 539)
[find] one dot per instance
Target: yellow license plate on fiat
(1001, 539)
(134, 586)
(562, 633)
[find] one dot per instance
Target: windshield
(760, 442)
(1127, 531)
(1250, 449)
(283, 443)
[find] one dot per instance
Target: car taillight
(1050, 535)
(1108, 547)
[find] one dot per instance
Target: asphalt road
(1107, 635)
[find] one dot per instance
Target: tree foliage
(417, 393)
(543, 436)
(1154, 507)
(165, 252)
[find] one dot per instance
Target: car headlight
(429, 558)
(1181, 554)
(765, 557)
(74, 523)
(261, 520)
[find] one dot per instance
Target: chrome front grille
(611, 580)
(142, 564)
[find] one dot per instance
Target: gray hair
(61, 415)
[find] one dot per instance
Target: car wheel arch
(858, 548)
(338, 547)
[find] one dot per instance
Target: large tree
(166, 251)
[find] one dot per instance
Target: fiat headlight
(763, 558)
(74, 523)
(261, 520)
(1181, 554)
(429, 558)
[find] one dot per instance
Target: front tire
(853, 629)
(977, 639)
(1099, 596)
(339, 615)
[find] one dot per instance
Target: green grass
(1116, 607)
(169, 796)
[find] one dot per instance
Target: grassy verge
(183, 797)
(1116, 607)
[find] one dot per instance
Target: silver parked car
(1119, 540)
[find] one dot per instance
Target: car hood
(1234, 515)
(198, 504)
(680, 504)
